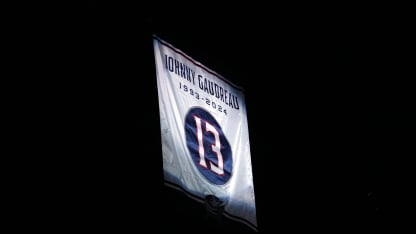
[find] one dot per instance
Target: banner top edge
(155, 37)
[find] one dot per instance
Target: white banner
(205, 142)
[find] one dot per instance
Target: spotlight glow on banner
(205, 140)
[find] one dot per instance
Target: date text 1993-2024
(206, 100)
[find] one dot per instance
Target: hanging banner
(205, 140)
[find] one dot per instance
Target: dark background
(327, 93)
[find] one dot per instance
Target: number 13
(216, 148)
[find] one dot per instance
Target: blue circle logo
(208, 146)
